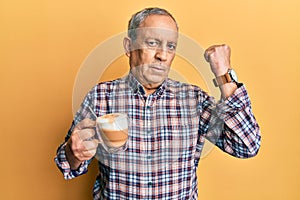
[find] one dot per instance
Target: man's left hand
(218, 57)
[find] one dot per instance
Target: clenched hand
(81, 146)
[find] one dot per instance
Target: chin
(156, 79)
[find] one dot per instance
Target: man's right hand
(81, 146)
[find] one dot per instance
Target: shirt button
(148, 107)
(149, 157)
(149, 184)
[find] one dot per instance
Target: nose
(161, 54)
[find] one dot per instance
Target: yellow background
(43, 43)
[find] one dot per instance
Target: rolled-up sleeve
(234, 128)
(64, 166)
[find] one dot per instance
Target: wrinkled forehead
(158, 33)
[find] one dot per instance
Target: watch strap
(221, 80)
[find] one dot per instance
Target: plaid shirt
(166, 136)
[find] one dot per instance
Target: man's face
(153, 51)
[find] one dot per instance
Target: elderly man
(169, 120)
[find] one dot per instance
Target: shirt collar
(136, 86)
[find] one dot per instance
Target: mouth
(159, 68)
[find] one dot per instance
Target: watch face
(233, 75)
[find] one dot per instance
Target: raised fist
(218, 57)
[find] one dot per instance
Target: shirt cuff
(64, 166)
(237, 101)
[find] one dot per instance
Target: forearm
(233, 127)
(241, 135)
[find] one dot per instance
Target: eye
(171, 47)
(152, 43)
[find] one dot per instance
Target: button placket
(148, 128)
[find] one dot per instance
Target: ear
(127, 45)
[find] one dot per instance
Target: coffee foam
(114, 121)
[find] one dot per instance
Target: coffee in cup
(113, 130)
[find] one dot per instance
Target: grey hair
(140, 16)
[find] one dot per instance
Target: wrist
(221, 71)
(228, 77)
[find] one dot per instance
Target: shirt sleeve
(86, 110)
(63, 164)
(232, 125)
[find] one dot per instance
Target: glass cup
(112, 131)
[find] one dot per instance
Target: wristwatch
(229, 77)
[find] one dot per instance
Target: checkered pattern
(166, 136)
